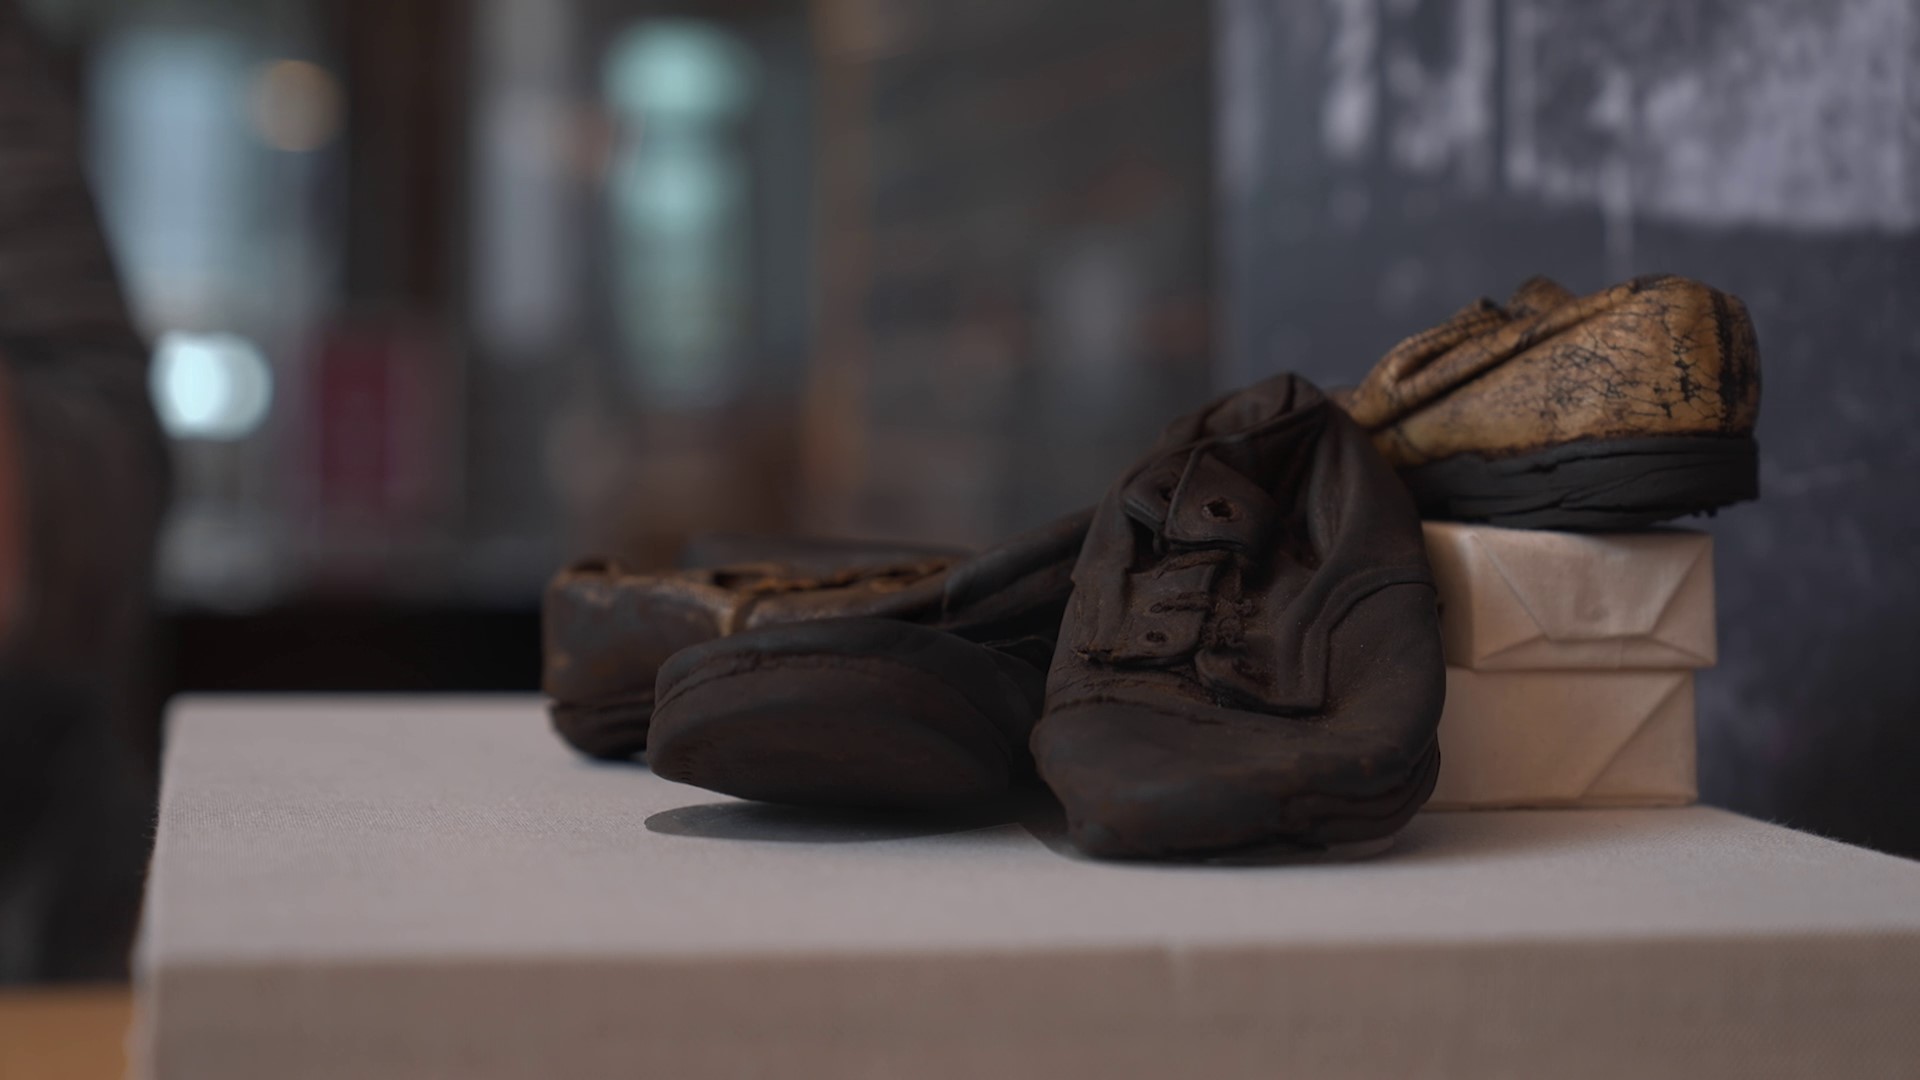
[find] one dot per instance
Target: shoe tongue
(1219, 491)
(1255, 407)
(1537, 295)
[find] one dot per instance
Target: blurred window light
(688, 191)
(678, 69)
(295, 105)
(171, 164)
(679, 190)
(527, 255)
(210, 386)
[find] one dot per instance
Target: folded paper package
(1570, 665)
(1530, 600)
(1566, 738)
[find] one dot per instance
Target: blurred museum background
(444, 292)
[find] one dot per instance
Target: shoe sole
(1379, 818)
(1346, 832)
(610, 730)
(1340, 828)
(834, 728)
(1596, 485)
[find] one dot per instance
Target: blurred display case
(1016, 256)
(446, 292)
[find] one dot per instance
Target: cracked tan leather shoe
(1616, 410)
(607, 630)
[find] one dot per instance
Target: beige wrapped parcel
(1570, 665)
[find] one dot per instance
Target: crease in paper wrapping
(1533, 600)
(1566, 739)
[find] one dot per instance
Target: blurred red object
(383, 462)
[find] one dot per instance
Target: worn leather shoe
(1612, 411)
(856, 713)
(607, 630)
(1251, 654)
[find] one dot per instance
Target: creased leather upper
(1655, 356)
(1231, 550)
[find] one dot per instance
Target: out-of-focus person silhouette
(83, 478)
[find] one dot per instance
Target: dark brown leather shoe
(812, 556)
(607, 630)
(849, 713)
(1612, 411)
(1251, 655)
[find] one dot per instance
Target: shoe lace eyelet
(1218, 510)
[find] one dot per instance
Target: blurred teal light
(210, 386)
(677, 69)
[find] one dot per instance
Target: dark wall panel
(1383, 162)
(1031, 206)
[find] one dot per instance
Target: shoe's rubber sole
(1325, 826)
(1594, 485)
(1348, 831)
(900, 719)
(611, 730)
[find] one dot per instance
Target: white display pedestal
(436, 887)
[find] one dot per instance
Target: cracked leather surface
(1655, 356)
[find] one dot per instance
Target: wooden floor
(64, 1034)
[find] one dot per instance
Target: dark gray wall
(1383, 162)
(1031, 220)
